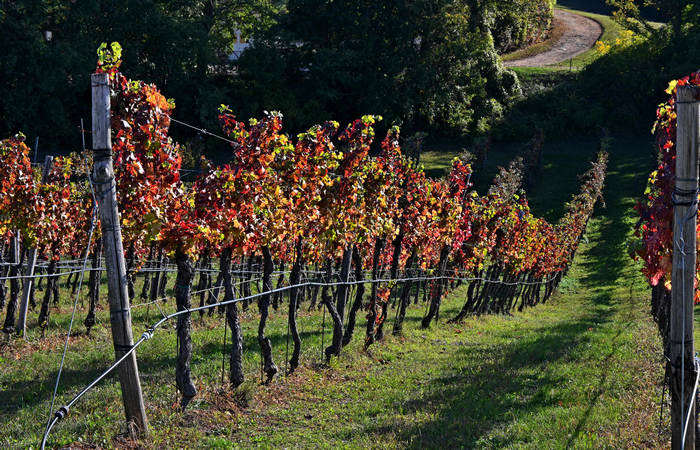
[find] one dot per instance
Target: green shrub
(518, 23)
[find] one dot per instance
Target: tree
(179, 45)
(631, 14)
(419, 62)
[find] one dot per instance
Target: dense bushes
(519, 23)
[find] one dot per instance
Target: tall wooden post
(29, 272)
(682, 350)
(119, 310)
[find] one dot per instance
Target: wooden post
(682, 351)
(29, 271)
(119, 309)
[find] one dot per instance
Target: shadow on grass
(469, 404)
(466, 406)
(607, 256)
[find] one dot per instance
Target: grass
(581, 371)
(436, 163)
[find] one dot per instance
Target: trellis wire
(63, 410)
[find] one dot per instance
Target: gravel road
(580, 35)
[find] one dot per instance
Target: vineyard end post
(29, 271)
(119, 309)
(682, 352)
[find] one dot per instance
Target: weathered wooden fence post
(29, 271)
(683, 371)
(119, 310)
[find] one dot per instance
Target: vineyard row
(331, 205)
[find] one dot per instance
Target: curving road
(580, 34)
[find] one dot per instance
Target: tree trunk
(294, 279)
(51, 281)
(327, 300)
(437, 289)
(94, 285)
(372, 314)
(269, 366)
(9, 326)
(163, 282)
(359, 294)
(4, 269)
(183, 283)
(204, 279)
(277, 296)
(395, 257)
(130, 265)
(405, 298)
(236, 376)
(146, 288)
(214, 293)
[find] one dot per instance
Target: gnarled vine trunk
(156, 277)
(396, 255)
(163, 286)
(130, 274)
(337, 311)
(15, 255)
(277, 296)
(183, 283)
(204, 279)
(214, 293)
(236, 376)
(327, 301)
(94, 285)
(437, 289)
(372, 314)
(51, 285)
(359, 294)
(148, 274)
(405, 298)
(269, 366)
(294, 279)
(4, 269)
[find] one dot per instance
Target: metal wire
(75, 302)
(203, 131)
(692, 396)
